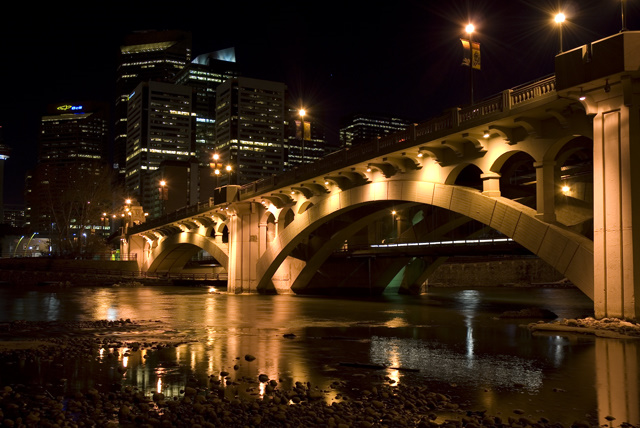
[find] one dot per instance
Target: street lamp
(470, 28)
(302, 112)
(163, 195)
(216, 165)
(559, 19)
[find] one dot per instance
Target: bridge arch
(569, 253)
(174, 251)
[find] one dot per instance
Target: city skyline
(403, 59)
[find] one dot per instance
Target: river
(450, 340)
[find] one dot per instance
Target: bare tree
(77, 198)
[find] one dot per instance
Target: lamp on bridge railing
(559, 19)
(623, 10)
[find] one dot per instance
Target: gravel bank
(383, 404)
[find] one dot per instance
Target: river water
(452, 340)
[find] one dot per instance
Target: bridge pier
(604, 77)
(244, 248)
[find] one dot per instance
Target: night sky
(394, 57)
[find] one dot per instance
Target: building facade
(250, 129)
(204, 74)
(144, 56)
(361, 128)
(72, 163)
(160, 127)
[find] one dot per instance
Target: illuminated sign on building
(66, 107)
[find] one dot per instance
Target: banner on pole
(468, 48)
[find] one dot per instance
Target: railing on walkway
(454, 118)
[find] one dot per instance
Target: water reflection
(451, 339)
(617, 380)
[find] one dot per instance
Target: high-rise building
(145, 56)
(250, 130)
(360, 128)
(72, 148)
(160, 127)
(205, 73)
(4, 155)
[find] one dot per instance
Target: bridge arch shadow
(568, 252)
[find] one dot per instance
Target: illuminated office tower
(72, 143)
(361, 128)
(145, 56)
(159, 128)
(250, 118)
(4, 155)
(204, 74)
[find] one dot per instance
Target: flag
(466, 55)
(303, 128)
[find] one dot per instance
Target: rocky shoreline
(606, 327)
(383, 404)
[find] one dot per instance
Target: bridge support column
(546, 191)
(616, 181)
(133, 247)
(244, 248)
(491, 184)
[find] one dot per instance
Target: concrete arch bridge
(547, 164)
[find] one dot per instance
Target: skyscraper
(72, 151)
(4, 155)
(250, 118)
(361, 128)
(145, 56)
(205, 73)
(159, 128)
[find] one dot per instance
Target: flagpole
(469, 30)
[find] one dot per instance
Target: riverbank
(259, 402)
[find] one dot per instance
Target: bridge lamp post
(470, 28)
(216, 165)
(559, 19)
(163, 196)
(623, 11)
(302, 112)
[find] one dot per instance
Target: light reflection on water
(451, 337)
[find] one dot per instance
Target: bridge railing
(447, 122)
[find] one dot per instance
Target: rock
(249, 357)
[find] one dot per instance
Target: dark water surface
(451, 338)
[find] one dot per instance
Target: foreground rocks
(382, 404)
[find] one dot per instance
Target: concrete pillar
(545, 191)
(134, 247)
(616, 180)
(491, 184)
(244, 248)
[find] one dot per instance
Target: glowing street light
(163, 195)
(559, 19)
(302, 112)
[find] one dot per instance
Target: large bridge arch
(174, 251)
(569, 253)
